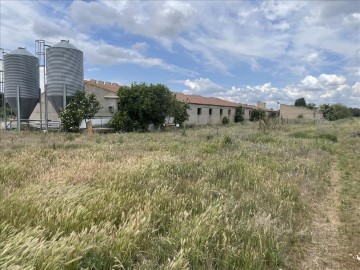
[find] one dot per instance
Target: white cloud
(201, 86)
(356, 88)
(331, 79)
(330, 88)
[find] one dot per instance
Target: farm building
(106, 94)
(207, 110)
(203, 110)
(294, 112)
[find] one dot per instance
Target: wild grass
(225, 198)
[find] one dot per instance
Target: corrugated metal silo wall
(64, 66)
(21, 69)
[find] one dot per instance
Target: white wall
(204, 118)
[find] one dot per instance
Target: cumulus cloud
(356, 88)
(329, 88)
(201, 86)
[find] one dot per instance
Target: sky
(241, 51)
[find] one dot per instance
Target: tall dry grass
(208, 198)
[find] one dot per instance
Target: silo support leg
(18, 106)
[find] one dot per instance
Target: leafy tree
(81, 106)
(239, 117)
(311, 106)
(355, 112)
(141, 105)
(9, 112)
(335, 111)
(257, 114)
(300, 102)
(180, 111)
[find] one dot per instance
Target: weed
(161, 200)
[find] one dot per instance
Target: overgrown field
(211, 198)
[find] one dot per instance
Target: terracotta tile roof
(114, 87)
(194, 99)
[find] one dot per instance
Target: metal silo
(65, 73)
(21, 77)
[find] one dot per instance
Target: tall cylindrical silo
(65, 73)
(21, 71)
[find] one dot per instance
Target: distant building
(203, 110)
(294, 112)
(207, 110)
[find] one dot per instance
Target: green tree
(355, 112)
(8, 110)
(257, 114)
(311, 106)
(81, 106)
(335, 112)
(239, 117)
(141, 105)
(300, 102)
(180, 112)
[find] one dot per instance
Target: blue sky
(243, 51)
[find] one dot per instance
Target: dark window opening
(111, 109)
(221, 111)
(229, 112)
(210, 111)
(199, 111)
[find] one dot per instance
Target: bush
(257, 114)
(239, 117)
(225, 120)
(335, 111)
(80, 107)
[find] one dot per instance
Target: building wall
(105, 97)
(247, 113)
(261, 105)
(52, 115)
(205, 118)
(293, 112)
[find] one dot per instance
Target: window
(210, 111)
(111, 109)
(221, 111)
(229, 112)
(199, 111)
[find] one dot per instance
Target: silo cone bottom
(57, 102)
(27, 106)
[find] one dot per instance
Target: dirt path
(325, 248)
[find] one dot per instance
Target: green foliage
(257, 115)
(310, 134)
(142, 104)
(8, 111)
(311, 106)
(328, 136)
(300, 116)
(335, 112)
(355, 112)
(225, 120)
(300, 102)
(80, 107)
(179, 110)
(239, 117)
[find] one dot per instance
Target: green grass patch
(235, 200)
